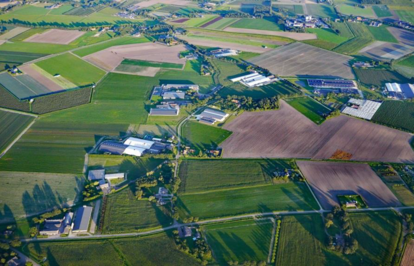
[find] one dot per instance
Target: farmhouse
(82, 218)
(361, 108)
(163, 196)
(184, 231)
(211, 116)
(165, 110)
(399, 91)
(253, 80)
(51, 227)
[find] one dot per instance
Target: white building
(134, 151)
(211, 116)
(253, 80)
(139, 143)
(362, 108)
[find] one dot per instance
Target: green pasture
(222, 24)
(291, 9)
(197, 22)
(356, 10)
(240, 241)
(406, 15)
(353, 46)
(143, 63)
(382, 34)
(202, 175)
(238, 201)
(321, 10)
(343, 29)
(382, 11)
(310, 108)
(124, 213)
(327, 35)
(12, 124)
(72, 68)
(28, 193)
(258, 24)
(405, 66)
(396, 114)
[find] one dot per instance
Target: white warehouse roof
(139, 143)
(366, 108)
(393, 87)
(134, 151)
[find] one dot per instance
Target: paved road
(23, 258)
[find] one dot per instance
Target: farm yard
(12, 124)
(329, 180)
(55, 36)
(292, 135)
(298, 59)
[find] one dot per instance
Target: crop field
(403, 36)
(79, 11)
(55, 36)
(22, 86)
(151, 64)
(382, 34)
(13, 33)
(233, 41)
(328, 35)
(12, 124)
(378, 77)
(291, 35)
(324, 11)
(221, 24)
(384, 51)
(343, 29)
(83, 74)
(406, 15)
(356, 11)
(197, 22)
(396, 114)
(28, 193)
(238, 201)
(310, 108)
(329, 180)
(203, 175)
(289, 134)
(124, 213)
(293, 9)
(258, 24)
(408, 257)
(298, 59)
(53, 84)
(217, 19)
(353, 46)
(405, 66)
(382, 11)
(16, 58)
(203, 137)
(240, 241)
(111, 57)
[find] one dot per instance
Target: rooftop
(82, 218)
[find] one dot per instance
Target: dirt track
(56, 36)
(329, 180)
(291, 35)
(286, 133)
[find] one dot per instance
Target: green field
(12, 124)
(396, 114)
(25, 194)
(310, 108)
(382, 11)
(240, 241)
(406, 15)
(222, 23)
(363, 37)
(405, 66)
(151, 64)
(202, 175)
(382, 34)
(258, 24)
(343, 29)
(291, 9)
(238, 201)
(324, 11)
(203, 137)
(378, 77)
(16, 58)
(124, 214)
(356, 11)
(197, 22)
(327, 35)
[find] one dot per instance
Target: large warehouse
(132, 146)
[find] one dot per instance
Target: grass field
(291, 9)
(238, 201)
(382, 11)
(396, 114)
(405, 66)
(151, 64)
(124, 213)
(378, 77)
(356, 11)
(363, 37)
(12, 124)
(240, 241)
(406, 15)
(221, 24)
(343, 29)
(16, 58)
(310, 108)
(258, 24)
(82, 75)
(327, 35)
(202, 175)
(321, 11)
(382, 34)
(28, 193)
(203, 137)
(197, 22)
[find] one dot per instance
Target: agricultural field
(396, 114)
(384, 51)
(27, 193)
(197, 175)
(403, 36)
(382, 34)
(343, 29)
(328, 35)
(143, 63)
(197, 22)
(124, 213)
(324, 11)
(291, 9)
(329, 180)
(382, 11)
(13, 33)
(238, 201)
(406, 15)
(408, 257)
(12, 124)
(299, 59)
(378, 77)
(55, 36)
(299, 36)
(290, 134)
(203, 137)
(240, 241)
(16, 58)
(258, 24)
(221, 24)
(83, 74)
(310, 108)
(356, 11)
(405, 66)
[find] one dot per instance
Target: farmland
(55, 36)
(386, 51)
(405, 66)
(396, 114)
(84, 74)
(321, 11)
(408, 257)
(329, 180)
(12, 124)
(310, 108)
(238, 201)
(403, 36)
(382, 34)
(124, 213)
(28, 193)
(221, 24)
(202, 175)
(240, 241)
(292, 135)
(382, 11)
(151, 64)
(406, 15)
(356, 11)
(258, 24)
(378, 77)
(203, 137)
(291, 35)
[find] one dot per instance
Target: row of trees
(233, 102)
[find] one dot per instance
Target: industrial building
(173, 95)
(210, 116)
(253, 80)
(224, 52)
(361, 108)
(132, 146)
(173, 91)
(165, 110)
(332, 83)
(399, 91)
(82, 219)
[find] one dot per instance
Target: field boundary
(17, 138)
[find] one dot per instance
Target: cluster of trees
(248, 263)
(276, 241)
(200, 249)
(90, 191)
(40, 219)
(408, 220)
(350, 244)
(233, 102)
(5, 253)
(261, 11)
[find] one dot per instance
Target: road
(23, 259)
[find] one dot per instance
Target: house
(210, 116)
(51, 227)
(96, 175)
(163, 196)
(14, 262)
(351, 204)
(184, 231)
(375, 24)
(165, 110)
(82, 219)
(105, 187)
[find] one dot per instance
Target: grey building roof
(112, 147)
(163, 111)
(96, 174)
(82, 218)
(407, 90)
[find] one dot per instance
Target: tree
(328, 223)
(33, 231)
(4, 246)
(16, 243)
